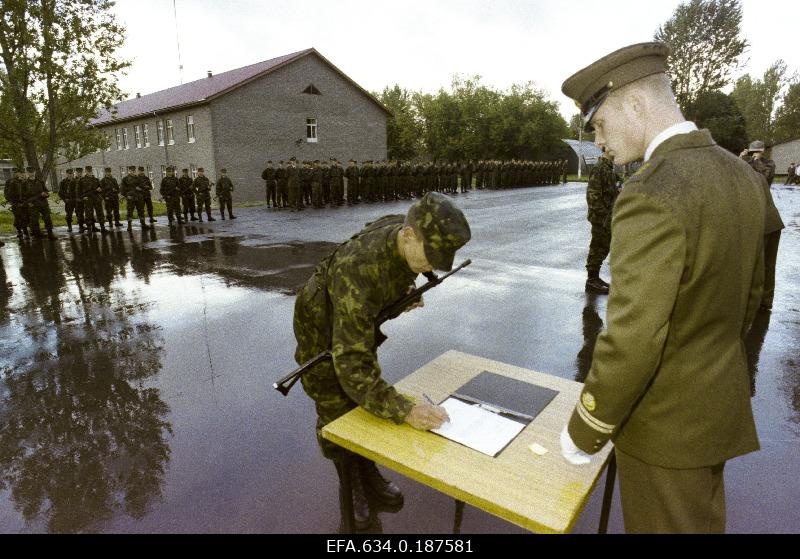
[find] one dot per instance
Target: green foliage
(58, 69)
(704, 39)
(403, 129)
(575, 125)
(719, 113)
(474, 121)
(757, 100)
(787, 117)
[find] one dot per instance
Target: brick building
(295, 105)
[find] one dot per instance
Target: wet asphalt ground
(136, 369)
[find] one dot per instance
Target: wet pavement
(136, 369)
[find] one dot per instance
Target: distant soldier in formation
(186, 190)
(15, 192)
(283, 189)
(110, 189)
(601, 192)
(225, 194)
(131, 189)
(80, 203)
(147, 196)
(36, 194)
(93, 199)
(791, 174)
(337, 183)
(352, 176)
(268, 175)
(67, 193)
(315, 174)
(202, 188)
(171, 193)
(294, 186)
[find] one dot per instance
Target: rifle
(283, 385)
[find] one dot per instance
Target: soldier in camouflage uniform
(601, 193)
(66, 191)
(315, 175)
(186, 189)
(225, 194)
(352, 176)
(131, 189)
(294, 186)
(202, 189)
(283, 188)
(110, 188)
(93, 199)
(268, 175)
(337, 183)
(170, 192)
(36, 194)
(146, 190)
(15, 194)
(336, 310)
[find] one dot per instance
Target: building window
(193, 170)
(121, 171)
(170, 132)
(311, 130)
(137, 136)
(125, 138)
(163, 171)
(160, 132)
(108, 141)
(118, 136)
(190, 128)
(149, 172)
(146, 136)
(312, 90)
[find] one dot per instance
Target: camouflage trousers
(598, 248)
(320, 383)
(93, 211)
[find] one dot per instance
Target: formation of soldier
(27, 195)
(297, 185)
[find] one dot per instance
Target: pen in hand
(434, 404)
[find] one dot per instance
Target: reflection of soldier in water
(81, 438)
(753, 344)
(592, 324)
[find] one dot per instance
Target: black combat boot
(69, 226)
(144, 225)
(211, 218)
(130, 225)
(230, 215)
(223, 215)
(81, 228)
(360, 504)
(595, 285)
(152, 220)
(384, 490)
(50, 234)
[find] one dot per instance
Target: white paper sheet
(477, 428)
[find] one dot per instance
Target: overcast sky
(418, 44)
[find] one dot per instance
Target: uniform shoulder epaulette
(646, 170)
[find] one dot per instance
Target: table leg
(459, 517)
(346, 497)
(608, 494)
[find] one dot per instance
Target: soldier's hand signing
(426, 416)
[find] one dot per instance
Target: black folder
(512, 398)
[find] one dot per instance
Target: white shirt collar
(681, 128)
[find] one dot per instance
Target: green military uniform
(283, 186)
(773, 224)
(15, 194)
(268, 175)
(352, 176)
(337, 184)
(131, 189)
(202, 189)
(669, 381)
(601, 192)
(66, 191)
(146, 189)
(186, 189)
(225, 195)
(293, 186)
(110, 188)
(170, 191)
(315, 173)
(93, 200)
(36, 200)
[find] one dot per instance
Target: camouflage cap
(591, 86)
(443, 227)
(758, 145)
(107, 169)
(88, 168)
(131, 167)
(140, 169)
(69, 171)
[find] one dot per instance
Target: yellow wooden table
(539, 493)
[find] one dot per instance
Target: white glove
(572, 453)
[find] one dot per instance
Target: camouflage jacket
(224, 187)
(186, 185)
(268, 174)
(130, 187)
(338, 308)
(88, 186)
(146, 184)
(169, 187)
(66, 189)
(766, 167)
(601, 192)
(15, 191)
(202, 185)
(110, 187)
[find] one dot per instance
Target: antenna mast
(177, 41)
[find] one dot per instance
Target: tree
(719, 113)
(575, 126)
(787, 117)
(58, 70)
(704, 39)
(403, 130)
(757, 100)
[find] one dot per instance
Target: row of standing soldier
(27, 195)
(318, 183)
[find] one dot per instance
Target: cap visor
(439, 261)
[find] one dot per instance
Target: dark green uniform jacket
(669, 380)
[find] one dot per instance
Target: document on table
(477, 427)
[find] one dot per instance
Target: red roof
(205, 89)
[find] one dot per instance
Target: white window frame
(137, 136)
(122, 172)
(125, 138)
(149, 171)
(108, 140)
(160, 132)
(170, 132)
(312, 136)
(193, 170)
(118, 137)
(145, 135)
(190, 128)
(163, 171)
